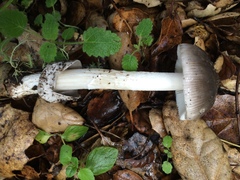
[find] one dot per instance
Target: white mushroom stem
(118, 80)
(73, 79)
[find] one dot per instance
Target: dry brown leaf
(123, 20)
(171, 35)
(234, 159)
(197, 151)
(54, 117)
(18, 136)
(76, 12)
(104, 108)
(222, 118)
(132, 99)
(115, 60)
(155, 117)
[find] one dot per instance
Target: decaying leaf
(132, 99)
(54, 117)
(222, 118)
(104, 108)
(17, 137)
(140, 120)
(197, 151)
(171, 35)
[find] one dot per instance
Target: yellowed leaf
(54, 117)
(197, 151)
(17, 137)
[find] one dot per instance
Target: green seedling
(143, 32)
(98, 161)
(167, 143)
(95, 41)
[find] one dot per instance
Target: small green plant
(98, 161)
(95, 41)
(143, 32)
(167, 143)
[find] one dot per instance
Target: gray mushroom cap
(200, 82)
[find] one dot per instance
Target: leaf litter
(135, 122)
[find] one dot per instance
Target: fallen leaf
(29, 173)
(132, 99)
(140, 120)
(123, 20)
(115, 60)
(197, 151)
(104, 108)
(228, 68)
(221, 118)
(156, 120)
(54, 117)
(18, 136)
(170, 36)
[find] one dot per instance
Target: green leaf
(100, 42)
(50, 3)
(65, 155)
(26, 3)
(73, 132)
(169, 154)
(85, 174)
(68, 33)
(50, 27)
(129, 63)
(101, 159)
(38, 20)
(167, 167)
(12, 23)
(144, 28)
(57, 15)
(147, 41)
(48, 52)
(42, 137)
(167, 141)
(72, 168)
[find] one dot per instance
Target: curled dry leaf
(197, 151)
(18, 136)
(170, 36)
(156, 120)
(54, 117)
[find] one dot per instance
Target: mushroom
(194, 80)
